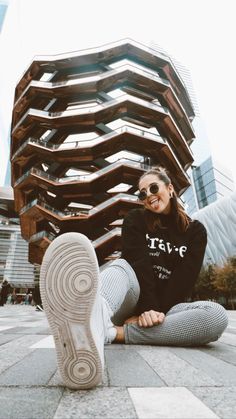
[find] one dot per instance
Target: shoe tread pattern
(68, 287)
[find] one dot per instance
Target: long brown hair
(177, 212)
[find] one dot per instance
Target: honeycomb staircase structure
(85, 126)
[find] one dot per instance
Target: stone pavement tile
(21, 342)
(35, 369)
(47, 342)
(99, 403)
(7, 338)
(105, 378)
(12, 358)
(57, 381)
(35, 319)
(232, 319)
(14, 351)
(223, 373)
(9, 322)
(168, 403)
(4, 328)
(228, 338)
(32, 323)
(222, 400)
(173, 370)
(117, 346)
(29, 403)
(28, 330)
(45, 331)
(128, 368)
(231, 330)
(10, 317)
(221, 351)
(17, 329)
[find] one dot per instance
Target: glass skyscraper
(3, 9)
(212, 182)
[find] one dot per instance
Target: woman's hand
(150, 318)
(147, 319)
(132, 320)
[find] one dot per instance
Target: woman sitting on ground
(138, 299)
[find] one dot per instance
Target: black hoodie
(166, 262)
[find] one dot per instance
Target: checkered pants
(185, 324)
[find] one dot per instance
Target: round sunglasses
(153, 188)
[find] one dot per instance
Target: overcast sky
(200, 34)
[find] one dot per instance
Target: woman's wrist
(120, 335)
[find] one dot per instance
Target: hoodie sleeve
(185, 274)
(134, 250)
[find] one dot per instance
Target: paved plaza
(139, 381)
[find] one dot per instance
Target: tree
(225, 281)
(204, 287)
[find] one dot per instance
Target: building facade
(14, 265)
(3, 10)
(210, 181)
(220, 221)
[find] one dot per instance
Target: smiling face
(159, 202)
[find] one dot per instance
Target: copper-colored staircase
(85, 126)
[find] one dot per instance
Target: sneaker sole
(68, 286)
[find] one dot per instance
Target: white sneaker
(77, 314)
(108, 327)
